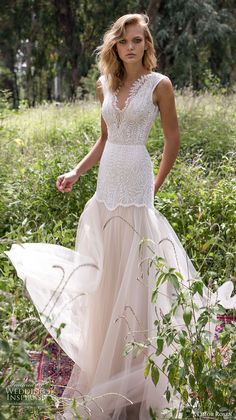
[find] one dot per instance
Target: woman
(102, 290)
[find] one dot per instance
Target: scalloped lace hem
(123, 204)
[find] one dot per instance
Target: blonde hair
(108, 60)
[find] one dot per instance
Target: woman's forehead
(133, 29)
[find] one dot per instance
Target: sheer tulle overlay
(102, 292)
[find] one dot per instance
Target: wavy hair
(108, 60)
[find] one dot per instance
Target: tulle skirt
(95, 299)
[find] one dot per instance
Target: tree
(46, 46)
(193, 36)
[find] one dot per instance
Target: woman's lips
(130, 55)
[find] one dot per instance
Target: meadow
(38, 144)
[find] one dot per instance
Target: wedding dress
(98, 296)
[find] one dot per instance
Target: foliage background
(47, 47)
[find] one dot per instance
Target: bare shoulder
(99, 90)
(99, 83)
(163, 91)
(165, 100)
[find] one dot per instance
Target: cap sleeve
(102, 81)
(156, 80)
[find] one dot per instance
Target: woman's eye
(121, 41)
(138, 40)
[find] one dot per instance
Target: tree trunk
(66, 21)
(29, 81)
(12, 82)
(57, 83)
(153, 9)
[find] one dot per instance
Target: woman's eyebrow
(135, 37)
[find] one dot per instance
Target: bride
(99, 294)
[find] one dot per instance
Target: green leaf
(128, 348)
(182, 338)
(197, 286)
(187, 315)
(167, 393)
(4, 346)
(155, 374)
(179, 275)
(197, 365)
(174, 281)
(184, 395)
(172, 375)
(152, 414)
(166, 318)
(182, 373)
(192, 381)
(147, 369)
(160, 344)
(159, 278)
(220, 309)
(24, 221)
(62, 325)
(224, 338)
(202, 320)
(169, 338)
(154, 295)
(174, 412)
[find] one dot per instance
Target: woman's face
(131, 46)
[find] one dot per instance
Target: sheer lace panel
(125, 174)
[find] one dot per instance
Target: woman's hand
(65, 182)
(155, 191)
(156, 188)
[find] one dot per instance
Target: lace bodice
(125, 175)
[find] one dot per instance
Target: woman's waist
(125, 151)
(125, 142)
(131, 163)
(126, 157)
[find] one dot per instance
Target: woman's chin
(132, 60)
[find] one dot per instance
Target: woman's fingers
(59, 181)
(64, 185)
(65, 182)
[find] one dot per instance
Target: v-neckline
(131, 92)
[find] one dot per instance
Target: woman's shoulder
(101, 85)
(101, 82)
(102, 79)
(165, 82)
(159, 76)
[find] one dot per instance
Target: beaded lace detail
(132, 92)
(125, 175)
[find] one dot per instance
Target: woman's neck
(131, 73)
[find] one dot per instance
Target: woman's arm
(95, 153)
(65, 182)
(163, 96)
